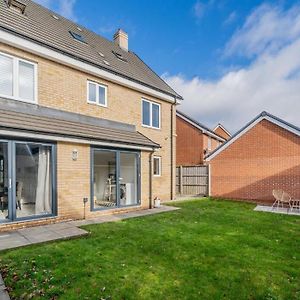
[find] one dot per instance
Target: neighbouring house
(86, 126)
(194, 141)
(263, 156)
(222, 131)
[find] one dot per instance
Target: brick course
(266, 157)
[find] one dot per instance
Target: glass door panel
(4, 182)
(128, 178)
(33, 180)
(104, 181)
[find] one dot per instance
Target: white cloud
(46, 3)
(62, 7)
(271, 82)
(268, 28)
(200, 8)
(66, 9)
(230, 19)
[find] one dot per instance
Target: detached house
(86, 126)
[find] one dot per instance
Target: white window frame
(97, 93)
(159, 164)
(151, 120)
(15, 82)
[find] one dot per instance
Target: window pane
(92, 92)
(26, 81)
(128, 179)
(104, 188)
(146, 113)
(102, 95)
(6, 76)
(156, 166)
(155, 115)
(33, 180)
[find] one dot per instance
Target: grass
(207, 250)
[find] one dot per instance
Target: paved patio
(276, 211)
(64, 230)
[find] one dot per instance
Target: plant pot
(156, 203)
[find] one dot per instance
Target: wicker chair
(282, 198)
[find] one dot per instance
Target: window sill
(150, 127)
(19, 99)
(97, 104)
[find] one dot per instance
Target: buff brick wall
(64, 88)
(73, 182)
(267, 157)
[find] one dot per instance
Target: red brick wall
(222, 133)
(189, 144)
(267, 157)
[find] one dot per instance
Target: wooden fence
(192, 180)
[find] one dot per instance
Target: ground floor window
(27, 180)
(115, 178)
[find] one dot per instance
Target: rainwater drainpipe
(172, 150)
(150, 178)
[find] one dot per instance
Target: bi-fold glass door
(27, 180)
(115, 178)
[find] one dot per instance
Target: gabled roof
(262, 116)
(199, 126)
(223, 128)
(46, 28)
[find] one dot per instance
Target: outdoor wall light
(75, 154)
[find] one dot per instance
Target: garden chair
(282, 198)
(296, 205)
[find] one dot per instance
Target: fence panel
(192, 180)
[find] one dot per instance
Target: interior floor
(25, 211)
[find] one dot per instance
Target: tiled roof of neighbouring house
(51, 30)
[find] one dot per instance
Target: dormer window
(18, 6)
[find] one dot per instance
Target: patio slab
(3, 292)
(127, 215)
(276, 211)
(64, 230)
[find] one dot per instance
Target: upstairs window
(17, 78)
(150, 114)
(96, 93)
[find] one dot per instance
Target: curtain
(43, 190)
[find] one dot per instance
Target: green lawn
(207, 250)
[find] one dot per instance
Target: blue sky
(217, 54)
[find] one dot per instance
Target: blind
(6, 75)
(26, 81)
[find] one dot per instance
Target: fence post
(180, 181)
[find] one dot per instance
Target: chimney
(121, 39)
